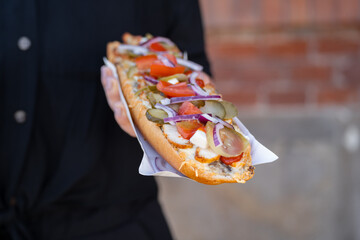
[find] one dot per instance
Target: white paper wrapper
(153, 164)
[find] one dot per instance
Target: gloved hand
(110, 85)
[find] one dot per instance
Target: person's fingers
(105, 72)
(122, 119)
(112, 91)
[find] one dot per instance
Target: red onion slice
(224, 123)
(193, 98)
(158, 39)
(151, 79)
(166, 61)
(216, 135)
(171, 112)
(204, 118)
(135, 49)
(189, 64)
(182, 118)
(197, 89)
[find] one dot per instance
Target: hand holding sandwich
(110, 85)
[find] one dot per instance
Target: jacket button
(24, 43)
(20, 116)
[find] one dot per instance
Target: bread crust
(154, 135)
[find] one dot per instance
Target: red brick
(291, 48)
(348, 11)
(287, 97)
(222, 12)
(244, 97)
(273, 12)
(256, 74)
(324, 11)
(233, 50)
(337, 96)
(338, 45)
(245, 12)
(299, 12)
(352, 75)
(311, 73)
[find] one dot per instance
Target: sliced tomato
(171, 58)
(145, 62)
(157, 47)
(188, 108)
(175, 90)
(230, 160)
(188, 128)
(200, 82)
(160, 70)
(202, 128)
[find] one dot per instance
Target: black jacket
(67, 171)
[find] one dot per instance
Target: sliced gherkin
(156, 115)
(214, 107)
(230, 109)
(132, 70)
(154, 98)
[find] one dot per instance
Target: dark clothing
(67, 171)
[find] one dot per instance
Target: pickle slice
(214, 108)
(156, 115)
(154, 98)
(132, 70)
(230, 109)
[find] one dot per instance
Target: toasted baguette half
(180, 159)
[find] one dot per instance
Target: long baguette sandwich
(179, 112)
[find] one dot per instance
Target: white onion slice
(189, 64)
(135, 49)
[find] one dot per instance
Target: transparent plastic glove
(110, 85)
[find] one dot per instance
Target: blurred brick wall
(285, 52)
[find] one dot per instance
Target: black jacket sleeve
(186, 28)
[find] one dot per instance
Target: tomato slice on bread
(175, 90)
(230, 160)
(188, 108)
(188, 128)
(157, 47)
(145, 62)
